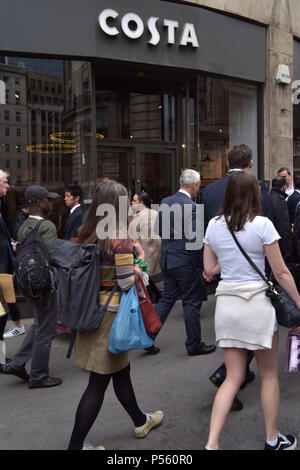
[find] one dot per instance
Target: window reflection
(227, 115)
(45, 126)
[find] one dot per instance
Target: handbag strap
(269, 284)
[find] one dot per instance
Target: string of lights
(61, 143)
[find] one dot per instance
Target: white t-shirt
(234, 266)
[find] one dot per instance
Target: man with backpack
(35, 277)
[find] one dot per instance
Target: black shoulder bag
(287, 313)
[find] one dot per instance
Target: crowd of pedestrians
(264, 222)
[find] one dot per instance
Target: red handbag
(151, 319)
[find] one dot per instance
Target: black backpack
(79, 286)
(34, 273)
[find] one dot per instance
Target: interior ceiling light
(61, 144)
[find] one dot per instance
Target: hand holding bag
(151, 319)
(287, 313)
(128, 331)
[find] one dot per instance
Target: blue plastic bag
(128, 330)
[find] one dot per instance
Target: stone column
(278, 107)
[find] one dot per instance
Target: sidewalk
(178, 384)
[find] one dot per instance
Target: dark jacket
(6, 252)
(292, 204)
(174, 252)
(18, 219)
(213, 197)
(74, 221)
(281, 220)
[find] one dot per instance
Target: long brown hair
(241, 201)
(107, 192)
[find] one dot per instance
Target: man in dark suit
(181, 261)
(214, 193)
(293, 199)
(73, 200)
(239, 159)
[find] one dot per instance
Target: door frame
(133, 152)
(121, 149)
(149, 148)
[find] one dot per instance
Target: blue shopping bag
(128, 330)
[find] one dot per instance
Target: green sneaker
(153, 420)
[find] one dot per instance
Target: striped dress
(91, 348)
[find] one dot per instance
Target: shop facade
(133, 92)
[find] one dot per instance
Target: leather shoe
(237, 405)
(9, 370)
(203, 349)
(152, 350)
(45, 382)
(217, 379)
(250, 376)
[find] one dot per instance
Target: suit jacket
(6, 252)
(292, 204)
(74, 221)
(213, 197)
(281, 220)
(174, 253)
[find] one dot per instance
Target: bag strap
(37, 226)
(142, 285)
(269, 284)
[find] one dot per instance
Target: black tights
(92, 399)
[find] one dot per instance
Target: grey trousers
(37, 343)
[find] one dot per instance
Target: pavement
(42, 419)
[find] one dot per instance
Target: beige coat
(145, 223)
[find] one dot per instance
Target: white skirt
(244, 317)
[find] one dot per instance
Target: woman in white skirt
(245, 318)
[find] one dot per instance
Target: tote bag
(151, 319)
(128, 330)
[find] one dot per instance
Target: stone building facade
(282, 19)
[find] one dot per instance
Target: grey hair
(2, 174)
(189, 177)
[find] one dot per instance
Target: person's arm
(281, 272)
(123, 253)
(211, 263)
(49, 234)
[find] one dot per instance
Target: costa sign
(133, 27)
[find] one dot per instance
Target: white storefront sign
(133, 27)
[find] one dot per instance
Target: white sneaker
(88, 446)
(14, 331)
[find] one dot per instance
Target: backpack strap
(37, 226)
(102, 311)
